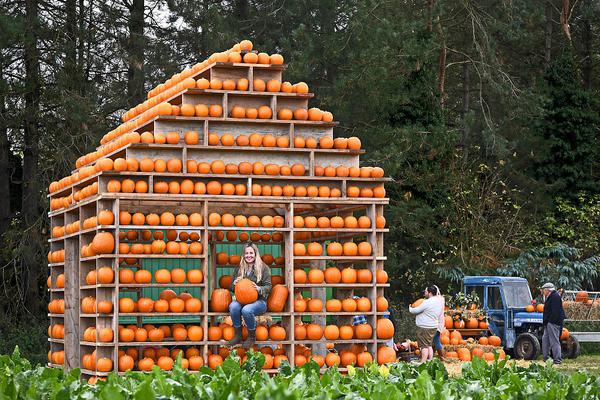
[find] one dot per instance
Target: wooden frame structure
(75, 267)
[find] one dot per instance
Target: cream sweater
(428, 313)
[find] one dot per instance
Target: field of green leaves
(478, 380)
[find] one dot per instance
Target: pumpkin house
(147, 229)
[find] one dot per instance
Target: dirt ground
(589, 363)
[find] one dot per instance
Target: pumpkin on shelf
(220, 300)
(277, 298)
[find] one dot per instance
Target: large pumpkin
(277, 298)
(386, 355)
(220, 300)
(385, 328)
(417, 303)
(245, 292)
(103, 243)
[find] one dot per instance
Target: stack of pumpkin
(456, 347)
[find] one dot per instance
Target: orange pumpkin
(386, 355)
(385, 328)
(277, 298)
(220, 300)
(245, 293)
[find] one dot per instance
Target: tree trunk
(442, 75)
(466, 76)
(565, 14)
(29, 202)
(136, 43)
(430, 15)
(71, 43)
(548, 36)
(5, 214)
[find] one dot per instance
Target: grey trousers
(551, 343)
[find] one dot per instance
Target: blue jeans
(437, 343)
(249, 312)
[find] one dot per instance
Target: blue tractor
(504, 299)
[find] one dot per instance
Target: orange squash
(277, 298)
(220, 300)
(245, 293)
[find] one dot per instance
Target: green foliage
(574, 221)
(479, 380)
(559, 264)
(30, 336)
(568, 129)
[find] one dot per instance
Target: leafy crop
(479, 380)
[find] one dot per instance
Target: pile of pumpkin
(191, 358)
(350, 305)
(585, 306)
(334, 249)
(456, 347)
(335, 275)
(155, 105)
(465, 320)
(267, 140)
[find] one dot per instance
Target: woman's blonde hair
(258, 266)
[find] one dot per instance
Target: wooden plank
(319, 292)
(340, 285)
(71, 296)
(160, 122)
(288, 243)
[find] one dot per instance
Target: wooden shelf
(143, 256)
(54, 340)
(143, 285)
(97, 344)
(55, 315)
(58, 264)
(269, 313)
(340, 258)
(176, 198)
(253, 149)
(167, 314)
(187, 175)
(340, 341)
(342, 313)
(56, 290)
(257, 121)
(95, 373)
(248, 228)
(249, 93)
(97, 315)
(145, 344)
(164, 227)
(339, 285)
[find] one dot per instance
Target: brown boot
(237, 338)
(249, 342)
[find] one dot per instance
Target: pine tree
(568, 130)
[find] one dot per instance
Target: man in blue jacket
(554, 317)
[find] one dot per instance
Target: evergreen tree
(568, 131)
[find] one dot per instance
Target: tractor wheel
(527, 346)
(570, 347)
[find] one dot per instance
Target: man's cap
(549, 286)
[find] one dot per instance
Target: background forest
(485, 112)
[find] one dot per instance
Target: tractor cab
(505, 299)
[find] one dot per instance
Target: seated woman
(251, 267)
